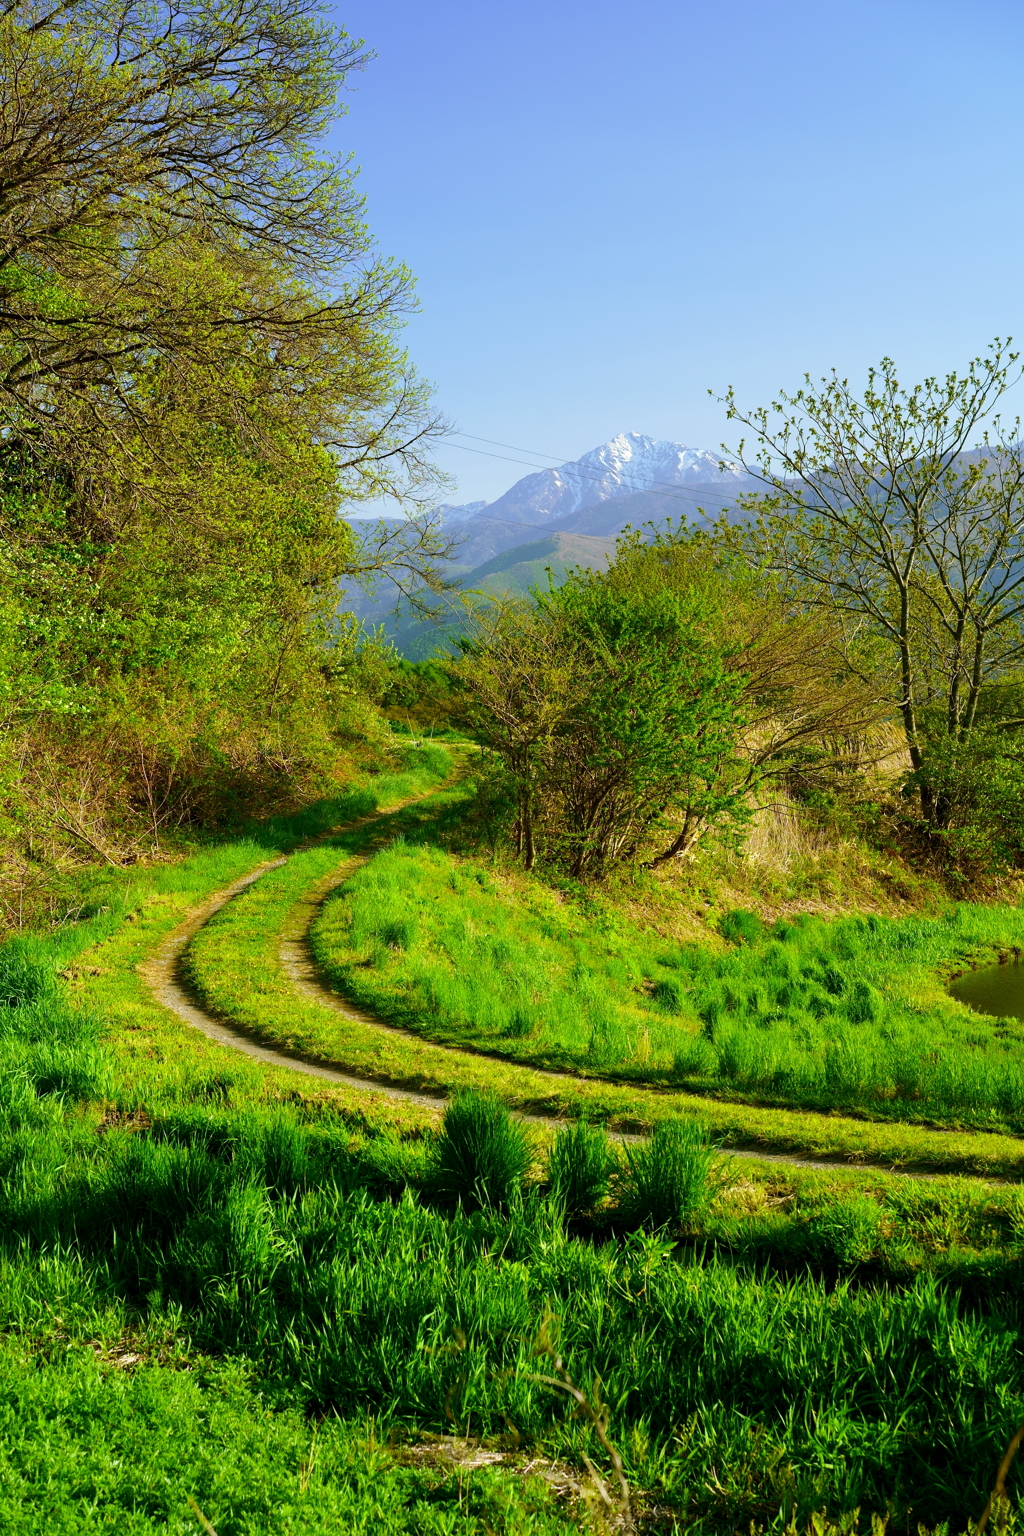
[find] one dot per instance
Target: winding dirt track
(163, 973)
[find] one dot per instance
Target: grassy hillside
(841, 1015)
(527, 565)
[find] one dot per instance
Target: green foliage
(877, 506)
(652, 721)
(609, 705)
(419, 696)
(978, 785)
(215, 1273)
(481, 1155)
(669, 1180)
(534, 978)
(148, 1428)
(580, 1167)
(243, 941)
(203, 261)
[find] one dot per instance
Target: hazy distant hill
(510, 574)
(517, 570)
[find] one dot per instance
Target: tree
(806, 715)
(515, 679)
(877, 508)
(178, 268)
(643, 706)
(608, 707)
(200, 372)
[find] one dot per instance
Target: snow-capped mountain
(572, 515)
(628, 464)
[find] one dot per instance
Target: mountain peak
(627, 463)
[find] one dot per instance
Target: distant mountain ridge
(627, 464)
(554, 519)
(633, 479)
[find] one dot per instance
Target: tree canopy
(902, 509)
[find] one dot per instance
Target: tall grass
(481, 1155)
(669, 1180)
(580, 1167)
(196, 1268)
(827, 1015)
(433, 942)
(246, 1232)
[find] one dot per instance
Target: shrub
(580, 1168)
(669, 1180)
(481, 1154)
(740, 927)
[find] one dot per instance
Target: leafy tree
(183, 283)
(608, 707)
(652, 721)
(808, 717)
(516, 681)
(878, 508)
(640, 707)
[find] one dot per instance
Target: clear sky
(612, 208)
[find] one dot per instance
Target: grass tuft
(669, 1180)
(740, 927)
(481, 1155)
(580, 1168)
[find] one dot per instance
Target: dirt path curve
(164, 975)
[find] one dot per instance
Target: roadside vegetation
(269, 1300)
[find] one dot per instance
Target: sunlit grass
(210, 1275)
(849, 1014)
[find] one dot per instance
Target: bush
(740, 927)
(481, 1155)
(580, 1168)
(669, 1180)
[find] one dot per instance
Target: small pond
(994, 989)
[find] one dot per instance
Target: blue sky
(612, 208)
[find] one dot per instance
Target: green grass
(89, 1446)
(234, 964)
(257, 1286)
(219, 1283)
(843, 1015)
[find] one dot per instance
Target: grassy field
(234, 965)
(223, 1291)
(841, 1015)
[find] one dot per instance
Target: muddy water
(994, 989)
